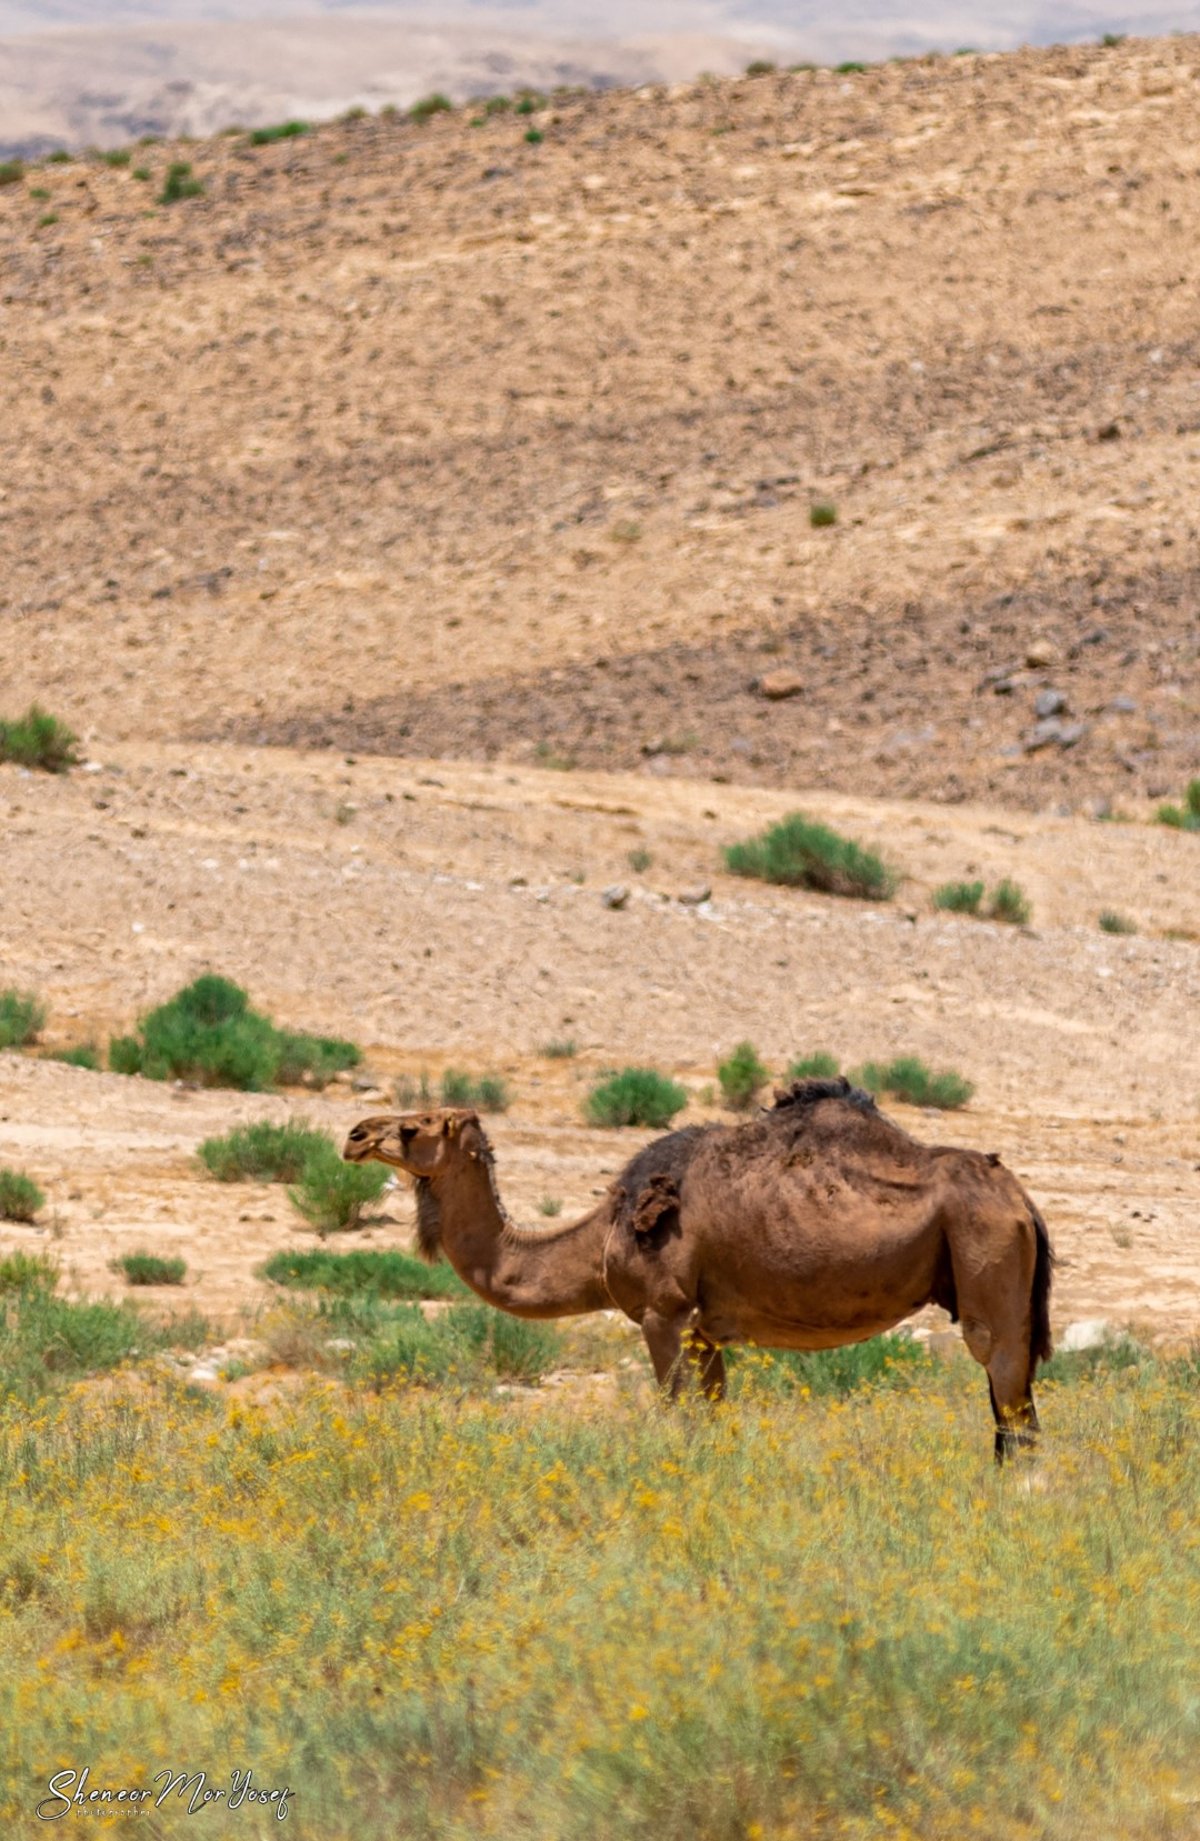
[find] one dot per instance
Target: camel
(818, 1223)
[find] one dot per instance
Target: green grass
(635, 1096)
(428, 106)
(1185, 817)
(639, 861)
(180, 183)
(1009, 903)
(468, 1344)
(801, 854)
(411, 1094)
(47, 219)
(497, 105)
(46, 1340)
(331, 1195)
(280, 131)
(534, 136)
(819, 1066)
(208, 1033)
(822, 515)
(742, 1076)
(20, 1197)
(761, 67)
(11, 172)
(907, 1078)
(1110, 921)
(38, 740)
(263, 1152)
(149, 1269)
(82, 1055)
(488, 1092)
(116, 156)
(142, 173)
(59, 157)
(849, 68)
(531, 101)
(26, 1272)
(958, 897)
(366, 1272)
(22, 1018)
(883, 1361)
(560, 1049)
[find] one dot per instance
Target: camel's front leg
(664, 1339)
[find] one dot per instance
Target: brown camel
(816, 1224)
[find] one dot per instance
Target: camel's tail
(1040, 1346)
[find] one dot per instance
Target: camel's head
(422, 1143)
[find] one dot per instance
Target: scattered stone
(1071, 733)
(1123, 706)
(1050, 703)
(1041, 652)
(776, 686)
(1088, 1333)
(363, 1082)
(615, 895)
(1111, 431)
(692, 898)
(1052, 732)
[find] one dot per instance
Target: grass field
(442, 1614)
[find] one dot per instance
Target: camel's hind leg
(996, 1329)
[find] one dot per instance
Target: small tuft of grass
(11, 172)
(822, 515)
(550, 1205)
(471, 1343)
(436, 104)
(639, 861)
(1185, 817)
(142, 173)
(802, 854)
(116, 156)
(497, 105)
(1112, 922)
(741, 1077)
(1110, 40)
(180, 183)
(38, 740)
(263, 1152)
(331, 1195)
(60, 157)
(531, 101)
(1010, 904)
(410, 1093)
(366, 1272)
(958, 897)
(547, 755)
(883, 1361)
(907, 1078)
(149, 1269)
(27, 1272)
(47, 219)
(849, 68)
(279, 131)
(564, 1049)
(20, 1197)
(534, 136)
(82, 1055)
(761, 67)
(635, 1096)
(820, 1066)
(490, 1093)
(22, 1017)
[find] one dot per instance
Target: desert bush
(534, 136)
(11, 172)
(489, 1093)
(81, 1055)
(497, 105)
(561, 1049)
(26, 1272)
(116, 156)
(208, 1033)
(849, 68)
(20, 1197)
(149, 1269)
(741, 1077)
(1009, 903)
(819, 1066)
(959, 897)
(639, 861)
(280, 131)
(179, 183)
(802, 854)
(1112, 922)
(47, 218)
(142, 174)
(38, 740)
(46, 1340)
(531, 101)
(262, 1152)
(22, 1018)
(331, 1195)
(635, 1096)
(436, 104)
(761, 67)
(369, 1272)
(907, 1078)
(1185, 817)
(822, 515)
(312, 1060)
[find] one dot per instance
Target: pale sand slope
(444, 914)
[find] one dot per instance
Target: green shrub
(436, 104)
(530, 103)
(822, 515)
(959, 897)
(517, 1350)
(820, 1066)
(635, 1096)
(849, 67)
(1112, 922)
(561, 1050)
(1009, 904)
(208, 1033)
(468, 1344)
(45, 1338)
(27, 1272)
(1185, 817)
(489, 1093)
(149, 1269)
(761, 67)
(281, 131)
(801, 854)
(47, 218)
(550, 1206)
(116, 156)
(11, 172)
(908, 1078)
(883, 1361)
(369, 1272)
(20, 1197)
(331, 1195)
(22, 1017)
(534, 136)
(741, 1077)
(639, 861)
(38, 740)
(142, 173)
(263, 1152)
(497, 105)
(180, 182)
(82, 1055)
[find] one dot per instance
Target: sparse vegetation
(635, 1096)
(802, 854)
(1185, 817)
(534, 136)
(180, 183)
(82, 1055)
(470, 1344)
(45, 1339)
(263, 1152)
(550, 1205)
(822, 515)
(116, 156)
(280, 131)
(38, 740)
(883, 1361)
(819, 1066)
(209, 1034)
(547, 755)
(959, 897)
(149, 1269)
(1010, 904)
(11, 172)
(497, 105)
(531, 101)
(564, 1049)
(1112, 922)
(142, 173)
(907, 1078)
(20, 1197)
(331, 1195)
(59, 157)
(22, 1018)
(410, 1093)
(849, 68)
(365, 1272)
(639, 861)
(437, 104)
(489, 1093)
(741, 1077)
(761, 67)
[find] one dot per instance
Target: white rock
(1088, 1333)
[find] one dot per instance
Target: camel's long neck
(556, 1274)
